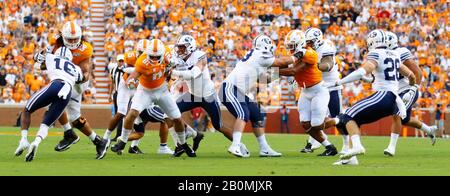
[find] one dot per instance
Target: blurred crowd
(25, 28)
(225, 29)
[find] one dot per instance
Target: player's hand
(410, 94)
(39, 57)
(300, 52)
(368, 78)
(132, 83)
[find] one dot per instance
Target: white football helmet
(295, 39)
(263, 42)
(376, 38)
(314, 37)
(71, 34)
(156, 51)
(392, 40)
(185, 46)
(142, 46)
(64, 53)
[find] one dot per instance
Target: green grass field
(414, 157)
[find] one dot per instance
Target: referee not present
(116, 74)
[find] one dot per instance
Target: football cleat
(197, 139)
(269, 153)
(23, 145)
(353, 152)
(184, 148)
(178, 151)
(164, 150)
(389, 152)
(32, 150)
(69, 139)
(244, 151)
(330, 150)
(351, 161)
(102, 146)
(118, 147)
(432, 136)
(235, 150)
(307, 148)
(135, 150)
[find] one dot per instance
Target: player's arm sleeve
(194, 72)
(267, 59)
(365, 69)
(405, 55)
(311, 57)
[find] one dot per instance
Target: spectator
(284, 112)
(439, 119)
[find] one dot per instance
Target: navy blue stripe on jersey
(405, 56)
(328, 54)
(373, 56)
(73, 99)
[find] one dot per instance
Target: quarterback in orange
(313, 102)
(152, 69)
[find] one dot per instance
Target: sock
(125, 134)
(92, 136)
(346, 141)
(163, 145)
(394, 138)
(190, 132)
(174, 135)
(38, 140)
(67, 127)
(324, 135)
(181, 137)
(262, 142)
(326, 143)
(107, 134)
(311, 140)
(237, 135)
(356, 140)
(425, 128)
(135, 143)
(24, 134)
(42, 133)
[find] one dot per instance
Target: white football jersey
(405, 54)
(202, 86)
(245, 75)
(58, 68)
(332, 76)
(387, 72)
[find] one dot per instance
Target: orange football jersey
(82, 53)
(309, 75)
(130, 60)
(152, 75)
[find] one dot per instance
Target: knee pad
(258, 124)
(139, 128)
(344, 119)
(79, 123)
